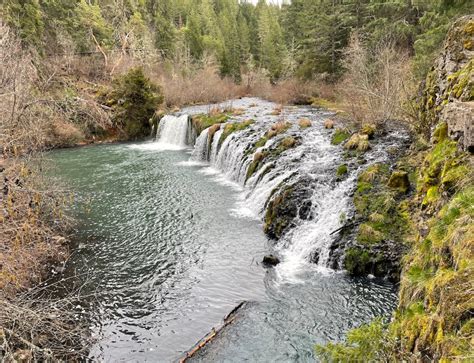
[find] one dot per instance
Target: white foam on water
(190, 163)
(156, 146)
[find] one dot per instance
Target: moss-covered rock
(369, 130)
(434, 320)
(359, 142)
(399, 181)
(339, 136)
(329, 124)
(232, 127)
(287, 203)
(304, 123)
(273, 153)
(203, 121)
(357, 261)
(342, 170)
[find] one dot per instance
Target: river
(168, 245)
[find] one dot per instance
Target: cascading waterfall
(311, 164)
(173, 132)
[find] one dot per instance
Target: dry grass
(278, 128)
(33, 224)
(277, 110)
(358, 142)
(195, 86)
(37, 327)
(328, 124)
(291, 91)
(304, 123)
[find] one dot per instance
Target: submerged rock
(271, 260)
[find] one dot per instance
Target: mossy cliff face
(448, 92)
(434, 320)
(382, 218)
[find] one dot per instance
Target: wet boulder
(271, 260)
(285, 206)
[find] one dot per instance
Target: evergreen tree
(272, 46)
(26, 17)
(134, 100)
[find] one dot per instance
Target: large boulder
(459, 117)
(287, 204)
(271, 260)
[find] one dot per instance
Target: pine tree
(27, 18)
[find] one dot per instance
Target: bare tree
(375, 82)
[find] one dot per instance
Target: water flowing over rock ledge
(289, 172)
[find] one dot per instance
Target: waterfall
(173, 132)
(309, 168)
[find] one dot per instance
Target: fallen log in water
(209, 337)
(341, 228)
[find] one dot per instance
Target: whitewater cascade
(174, 131)
(319, 202)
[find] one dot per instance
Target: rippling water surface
(160, 241)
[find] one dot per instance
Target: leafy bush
(134, 99)
(369, 343)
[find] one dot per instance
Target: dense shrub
(134, 99)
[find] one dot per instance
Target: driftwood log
(214, 332)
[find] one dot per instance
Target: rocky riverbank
(433, 321)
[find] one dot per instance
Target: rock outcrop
(448, 92)
(459, 117)
(291, 203)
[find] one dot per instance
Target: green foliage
(368, 343)
(303, 37)
(341, 170)
(27, 18)
(339, 136)
(134, 99)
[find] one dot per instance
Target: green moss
(256, 163)
(274, 219)
(368, 234)
(230, 128)
(359, 142)
(261, 142)
(368, 343)
(203, 121)
(356, 261)
(453, 177)
(341, 170)
(440, 133)
(363, 187)
(369, 130)
(399, 181)
(339, 136)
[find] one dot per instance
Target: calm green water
(160, 242)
